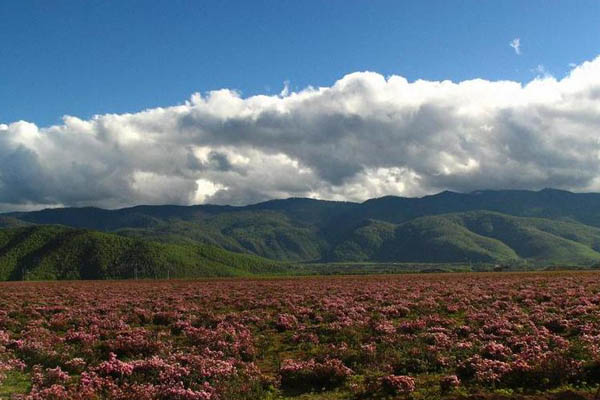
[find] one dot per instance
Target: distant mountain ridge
(497, 226)
(584, 207)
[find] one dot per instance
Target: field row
(409, 336)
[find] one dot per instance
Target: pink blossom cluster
(398, 384)
(222, 339)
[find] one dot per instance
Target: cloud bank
(365, 136)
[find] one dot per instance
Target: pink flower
(398, 384)
(286, 322)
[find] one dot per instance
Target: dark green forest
(59, 252)
(516, 229)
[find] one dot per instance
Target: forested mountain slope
(58, 252)
(550, 226)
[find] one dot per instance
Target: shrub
(297, 374)
(398, 384)
(447, 383)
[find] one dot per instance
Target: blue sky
(93, 57)
(403, 98)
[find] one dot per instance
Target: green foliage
(15, 383)
(519, 228)
(472, 237)
(264, 233)
(11, 222)
(438, 239)
(364, 242)
(55, 252)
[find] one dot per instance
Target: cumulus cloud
(365, 136)
(541, 71)
(516, 45)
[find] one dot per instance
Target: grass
(15, 383)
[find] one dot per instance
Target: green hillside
(538, 239)
(511, 226)
(11, 222)
(365, 242)
(56, 252)
(478, 236)
(265, 233)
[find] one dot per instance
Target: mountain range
(508, 227)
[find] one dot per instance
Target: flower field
(407, 336)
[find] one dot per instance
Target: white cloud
(541, 71)
(204, 189)
(286, 89)
(364, 136)
(516, 45)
